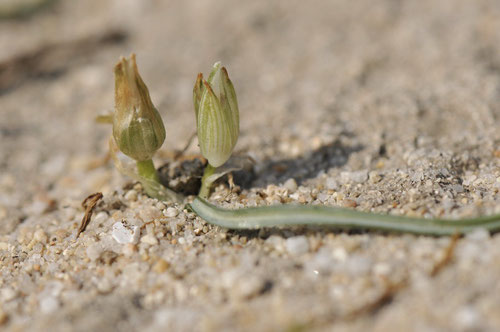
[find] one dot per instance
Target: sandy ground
(385, 106)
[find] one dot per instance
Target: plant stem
(337, 218)
(149, 176)
(147, 170)
(206, 184)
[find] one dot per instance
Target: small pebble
(170, 212)
(40, 236)
(331, 184)
(457, 188)
(161, 266)
(297, 245)
(290, 184)
(131, 195)
(94, 251)
(149, 239)
(358, 177)
(349, 203)
(374, 177)
(125, 233)
(129, 249)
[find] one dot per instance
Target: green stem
(337, 218)
(206, 184)
(148, 176)
(147, 170)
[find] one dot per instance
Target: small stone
(94, 251)
(331, 184)
(457, 188)
(349, 203)
(340, 254)
(322, 197)
(149, 213)
(297, 245)
(125, 233)
(276, 242)
(290, 184)
(129, 249)
(131, 195)
(374, 177)
(149, 239)
(170, 212)
(161, 266)
(357, 177)
(40, 236)
(160, 206)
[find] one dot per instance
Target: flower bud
(217, 116)
(137, 126)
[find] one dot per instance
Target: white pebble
(94, 251)
(290, 184)
(149, 239)
(125, 233)
(340, 254)
(131, 195)
(297, 245)
(170, 212)
(359, 176)
(40, 236)
(276, 242)
(331, 184)
(101, 217)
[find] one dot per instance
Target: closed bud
(137, 126)
(217, 115)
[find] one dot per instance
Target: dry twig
(88, 204)
(447, 257)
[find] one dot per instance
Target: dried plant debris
(447, 256)
(88, 204)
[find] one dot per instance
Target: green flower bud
(137, 126)
(217, 116)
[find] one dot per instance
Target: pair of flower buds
(138, 129)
